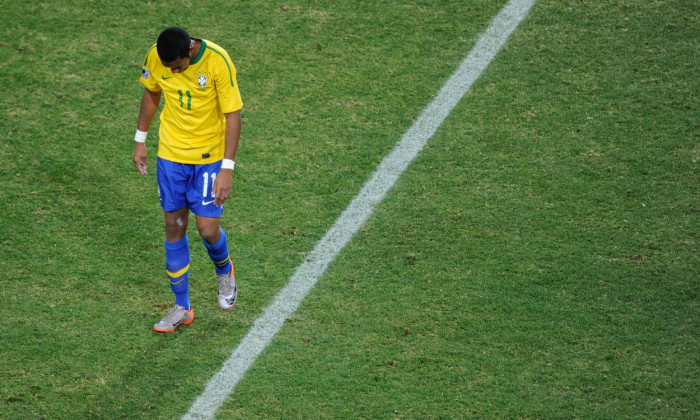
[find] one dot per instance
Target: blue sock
(177, 264)
(219, 254)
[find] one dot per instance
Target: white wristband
(140, 136)
(227, 164)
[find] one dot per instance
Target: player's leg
(177, 255)
(208, 217)
(177, 266)
(172, 183)
(216, 243)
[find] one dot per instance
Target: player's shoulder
(151, 56)
(213, 46)
(216, 50)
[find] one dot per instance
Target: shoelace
(225, 284)
(173, 312)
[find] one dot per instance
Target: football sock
(177, 265)
(219, 255)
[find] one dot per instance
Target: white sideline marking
(310, 271)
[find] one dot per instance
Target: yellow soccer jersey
(192, 123)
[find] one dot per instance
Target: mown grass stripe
(388, 172)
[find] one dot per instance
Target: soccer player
(200, 127)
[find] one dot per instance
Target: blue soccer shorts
(185, 185)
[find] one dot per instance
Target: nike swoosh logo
(166, 78)
(206, 203)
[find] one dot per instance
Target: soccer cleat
(178, 315)
(228, 292)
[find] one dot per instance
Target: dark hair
(173, 43)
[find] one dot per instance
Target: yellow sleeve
(148, 79)
(226, 84)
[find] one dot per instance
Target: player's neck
(195, 47)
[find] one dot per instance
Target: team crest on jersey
(202, 81)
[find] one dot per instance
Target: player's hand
(141, 158)
(222, 186)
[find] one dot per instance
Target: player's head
(174, 48)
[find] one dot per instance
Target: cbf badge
(202, 81)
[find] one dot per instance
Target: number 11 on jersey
(189, 99)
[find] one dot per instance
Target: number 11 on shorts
(205, 191)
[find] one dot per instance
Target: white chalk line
(356, 214)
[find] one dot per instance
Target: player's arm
(149, 107)
(223, 182)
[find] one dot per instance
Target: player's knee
(209, 233)
(175, 226)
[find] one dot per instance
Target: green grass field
(539, 259)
